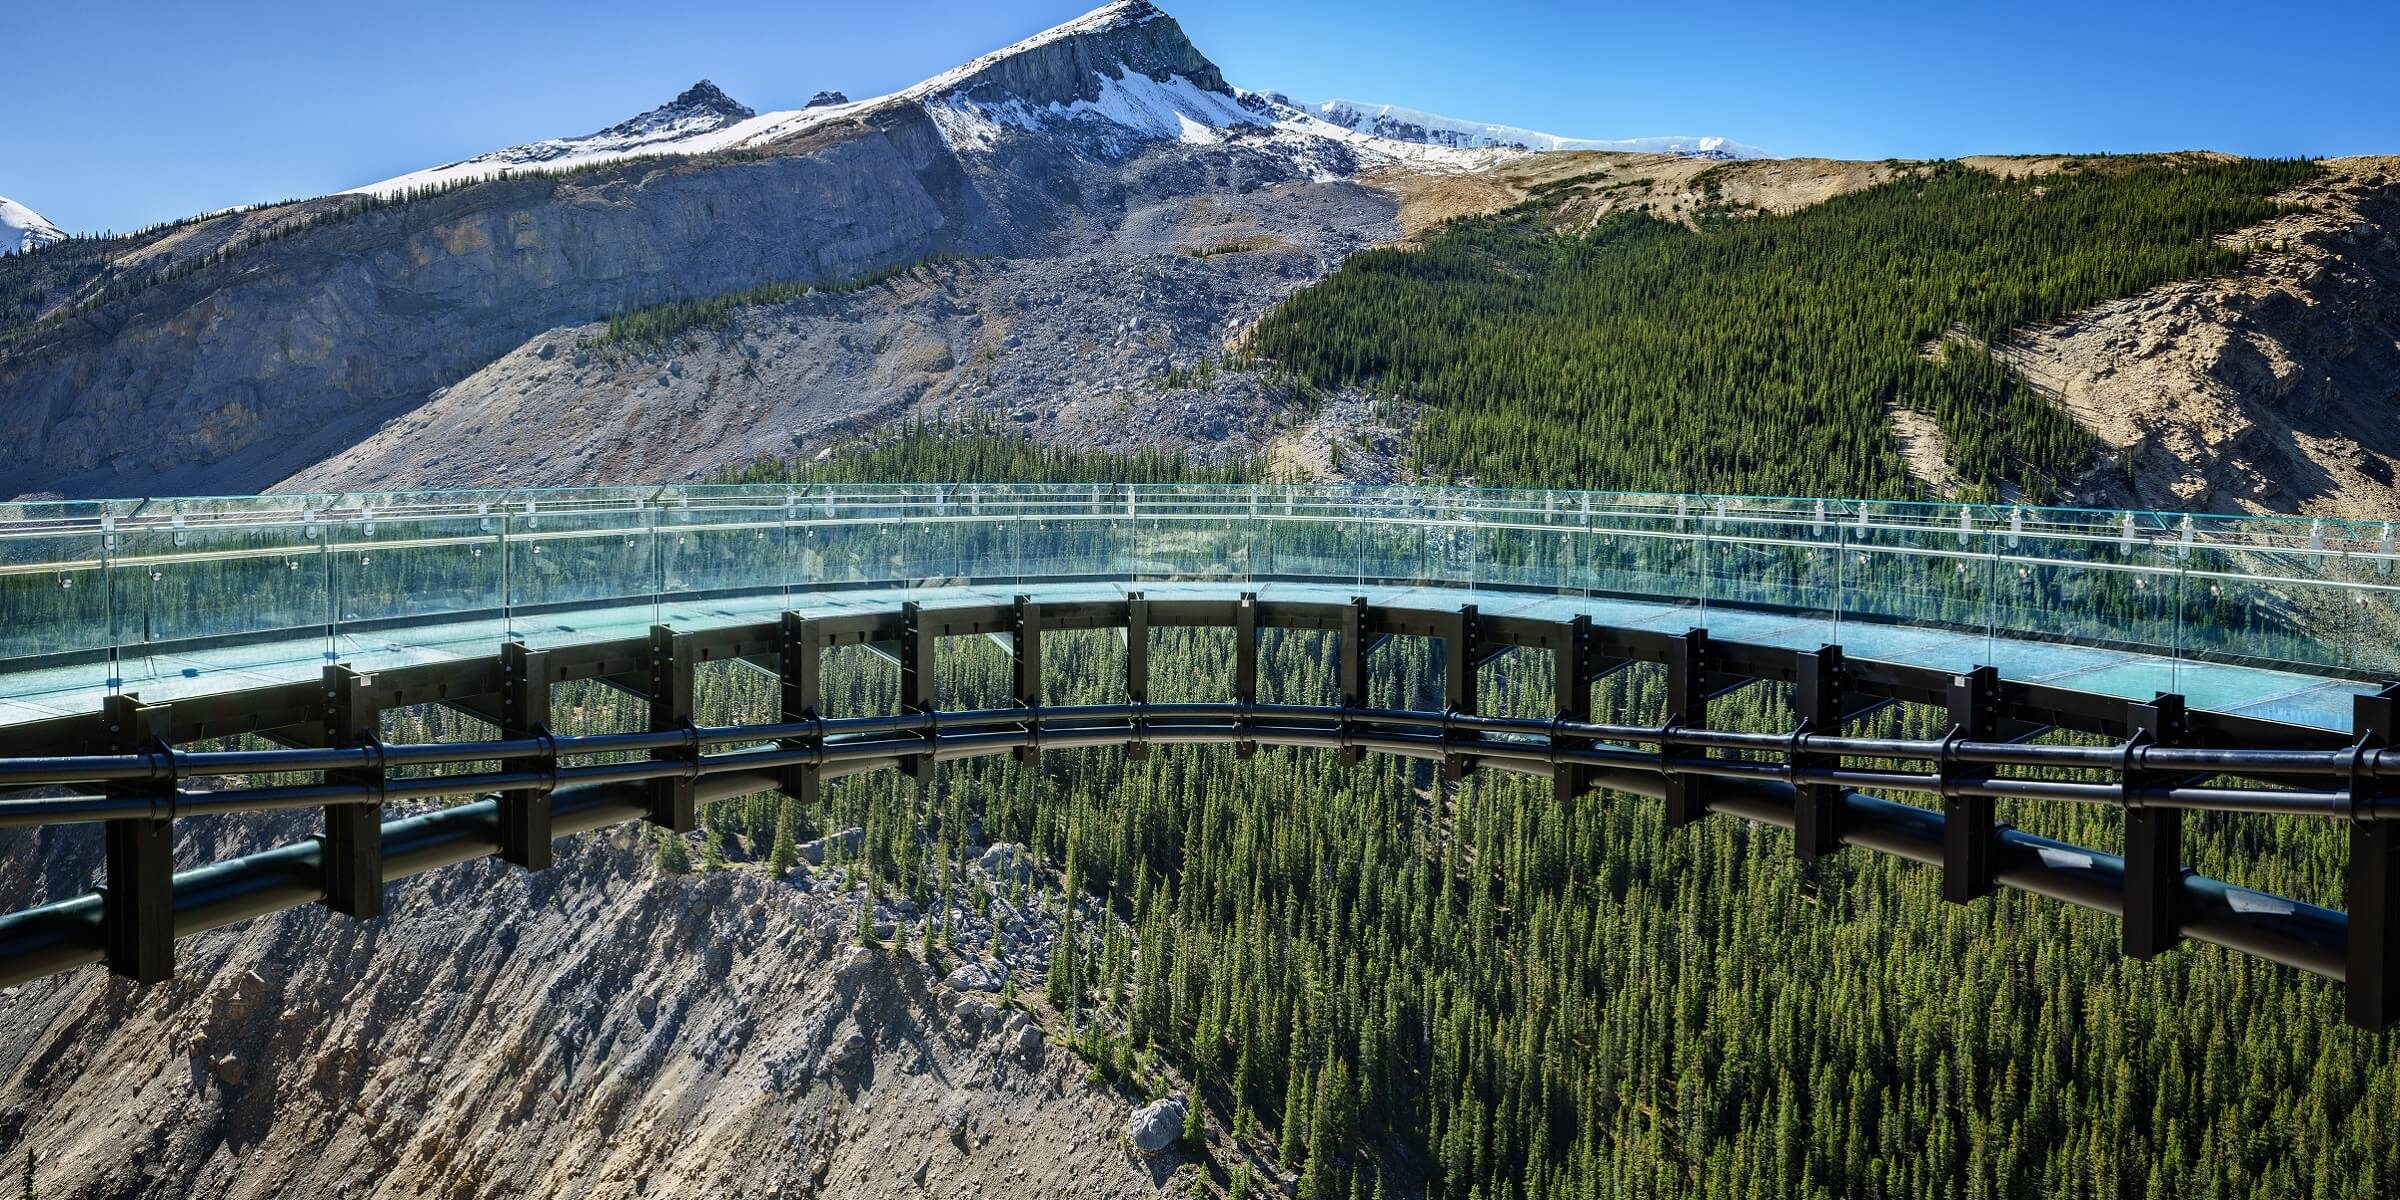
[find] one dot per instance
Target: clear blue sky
(124, 114)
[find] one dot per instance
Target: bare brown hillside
(2276, 389)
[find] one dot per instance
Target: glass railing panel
(1390, 536)
(1172, 549)
(194, 595)
(1898, 568)
(721, 549)
(1772, 562)
(2282, 595)
(1072, 546)
(1523, 547)
(389, 571)
(1306, 546)
(2106, 583)
(851, 553)
(582, 557)
(2374, 576)
(54, 613)
(1653, 557)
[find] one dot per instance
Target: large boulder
(974, 977)
(1155, 1126)
(846, 842)
(1006, 861)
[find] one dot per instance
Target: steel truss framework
(2167, 760)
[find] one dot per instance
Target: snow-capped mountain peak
(23, 230)
(1114, 78)
(702, 110)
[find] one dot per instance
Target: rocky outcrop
(1155, 1126)
(598, 1029)
(2270, 390)
(1066, 65)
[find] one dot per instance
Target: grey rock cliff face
(346, 325)
(1133, 36)
(318, 324)
(597, 1029)
(293, 348)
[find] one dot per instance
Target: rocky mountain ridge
(184, 361)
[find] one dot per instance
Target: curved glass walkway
(2277, 619)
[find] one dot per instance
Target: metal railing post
(2153, 833)
(137, 907)
(525, 713)
(2371, 994)
(353, 872)
(1968, 834)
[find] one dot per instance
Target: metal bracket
(353, 832)
(2153, 835)
(1969, 838)
(137, 907)
(525, 713)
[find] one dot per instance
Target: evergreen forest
(1758, 353)
(1391, 985)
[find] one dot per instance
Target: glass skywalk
(2278, 618)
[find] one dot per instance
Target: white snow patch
(23, 230)
(1412, 125)
(700, 133)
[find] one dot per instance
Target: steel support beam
(1245, 666)
(1968, 833)
(2153, 835)
(1137, 666)
(1687, 708)
(353, 870)
(800, 661)
(525, 713)
(1571, 672)
(1818, 679)
(1460, 637)
(916, 687)
(1025, 628)
(1352, 646)
(672, 806)
(137, 911)
(2372, 989)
